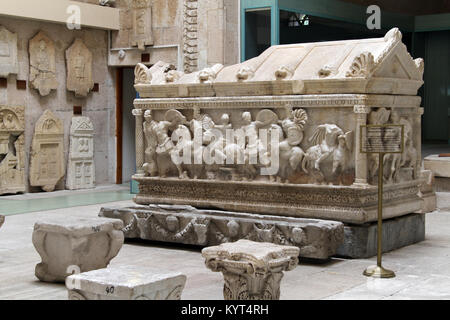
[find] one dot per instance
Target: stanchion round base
(378, 272)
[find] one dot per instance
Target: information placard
(386, 138)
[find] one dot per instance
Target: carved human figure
(325, 142)
(164, 142)
(291, 155)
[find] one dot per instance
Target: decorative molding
(190, 35)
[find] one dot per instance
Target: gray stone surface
(71, 244)
(251, 270)
(361, 241)
(185, 224)
(442, 184)
(126, 283)
(422, 269)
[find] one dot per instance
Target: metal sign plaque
(386, 138)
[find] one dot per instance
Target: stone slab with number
(69, 244)
(126, 283)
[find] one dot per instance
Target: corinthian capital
(137, 112)
(361, 109)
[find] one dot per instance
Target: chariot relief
(12, 149)
(267, 149)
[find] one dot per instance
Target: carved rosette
(362, 66)
(251, 270)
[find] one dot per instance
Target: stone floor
(423, 269)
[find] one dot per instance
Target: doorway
(125, 124)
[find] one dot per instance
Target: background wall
(99, 106)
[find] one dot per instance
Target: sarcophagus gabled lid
(376, 65)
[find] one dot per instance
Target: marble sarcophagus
(279, 134)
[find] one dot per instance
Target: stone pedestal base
(361, 241)
(315, 238)
(73, 245)
(251, 270)
(125, 283)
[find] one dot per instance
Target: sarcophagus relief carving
(279, 134)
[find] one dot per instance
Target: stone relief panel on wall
(47, 152)
(142, 24)
(12, 149)
(42, 64)
(8, 53)
(79, 69)
(269, 148)
(81, 169)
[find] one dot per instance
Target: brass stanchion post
(378, 271)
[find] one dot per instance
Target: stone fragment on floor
(72, 245)
(126, 283)
(316, 238)
(251, 270)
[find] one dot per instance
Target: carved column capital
(361, 109)
(137, 112)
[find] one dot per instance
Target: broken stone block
(251, 270)
(12, 149)
(318, 239)
(125, 283)
(68, 245)
(47, 152)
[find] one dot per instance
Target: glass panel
(257, 32)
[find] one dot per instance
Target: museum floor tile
(31, 202)
(422, 269)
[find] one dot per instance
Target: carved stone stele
(142, 24)
(126, 283)
(72, 245)
(42, 64)
(251, 270)
(81, 168)
(12, 149)
(47, 152)
(9, 63)
(317, 239)
(79, 68)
